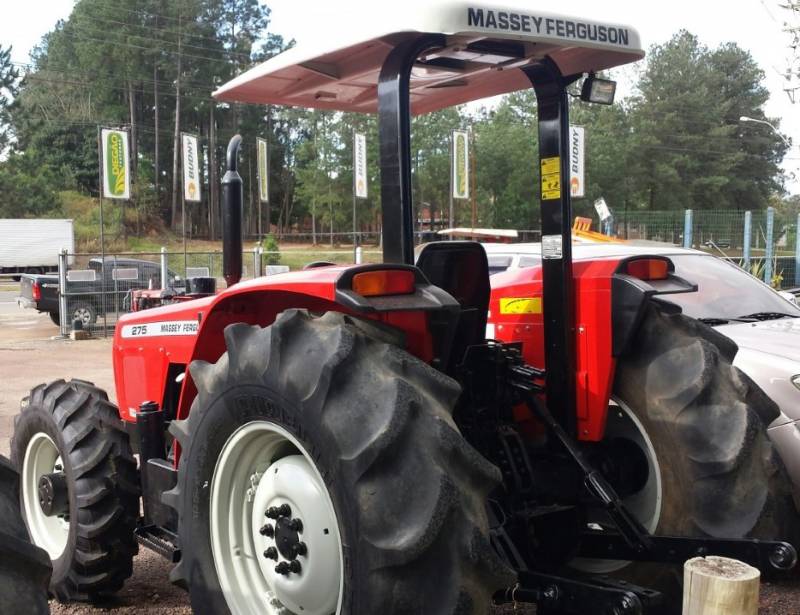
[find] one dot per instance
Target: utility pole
(212, 175)
(473, 181)
(176, 141)
(792, 28)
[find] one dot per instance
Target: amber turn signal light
(648, 269)
(383, 282)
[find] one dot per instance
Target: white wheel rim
(262, 466)
(82, 314)
(645, 504)
(49, 533)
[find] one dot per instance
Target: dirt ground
(29, 356)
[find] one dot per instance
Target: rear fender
(259, 305)
(608, 309)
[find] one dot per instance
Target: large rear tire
(63, 432)
(390, 498)
(701, 424)
(24, 568)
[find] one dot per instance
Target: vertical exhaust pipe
(232, 216)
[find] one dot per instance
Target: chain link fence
(762, 242)
(96, 290)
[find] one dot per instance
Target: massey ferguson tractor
(344, 440)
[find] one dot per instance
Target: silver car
(764, 324)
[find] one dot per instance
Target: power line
(72, 72)
(81, 37)
(160, 40)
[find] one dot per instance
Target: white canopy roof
(485, 42)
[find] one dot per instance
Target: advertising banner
(601, 207)
(191, 169)
(116, 164)
(263, 171)
(460, 164)
(360, 164)
(577, 149)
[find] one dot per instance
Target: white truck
(32, 246)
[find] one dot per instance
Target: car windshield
(498, 263)
(725, 292)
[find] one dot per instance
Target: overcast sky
(756, 25)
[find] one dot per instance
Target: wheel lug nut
(300, 549)
(272, 512)
(267, 530)
(285, 510)
(296, 525)
(282, 568)
(294, 566)
(271, 553)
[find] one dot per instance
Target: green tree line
(151, 65)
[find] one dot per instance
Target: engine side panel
(146, 343)
(515, 315)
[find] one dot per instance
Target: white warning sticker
(158, 329)
(552, 246)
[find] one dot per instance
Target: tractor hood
(769, 352)
(779, 338)
(483, 43)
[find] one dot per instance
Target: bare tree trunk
(176, 153)
(269, 168)
(132, 112)
(212, 176)
(156, 165)
(250, 205)
(134, 152)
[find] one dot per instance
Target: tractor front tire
(63, 432)
(24, 568)
(713, 471)
(384, 500)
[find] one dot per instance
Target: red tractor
(344, 439)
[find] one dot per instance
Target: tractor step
(770, 557)
(555, 595)
(159, 540)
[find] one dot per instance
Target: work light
(600, 91)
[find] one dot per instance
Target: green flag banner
(460, 165)
(263, 171)
(116, 164)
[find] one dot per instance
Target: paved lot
(29, 356)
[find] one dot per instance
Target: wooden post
(719, 586)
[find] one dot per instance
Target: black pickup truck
(86, 288)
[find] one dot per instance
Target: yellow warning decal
(521, 305)
(551, 178)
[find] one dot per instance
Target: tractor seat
(462, 269)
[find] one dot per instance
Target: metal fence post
(359, 255)
(687, 229)
(164, 269)
(748, 231)
(768, 248)
(62, 293)
(797, 252)
(256, 263)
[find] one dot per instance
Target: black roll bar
(556, 213)
(394, 118)
(394, 129)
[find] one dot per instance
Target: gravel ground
(28, 357)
